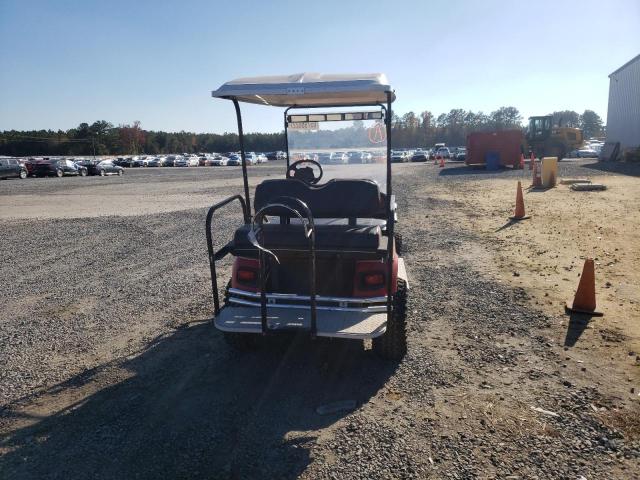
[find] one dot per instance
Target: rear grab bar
(213, 256)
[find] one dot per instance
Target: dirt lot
(545, 254)
(112, 369)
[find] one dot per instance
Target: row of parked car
(338, 158)
(59, 167)
(56, 167)
(422, 155)
(199, 160)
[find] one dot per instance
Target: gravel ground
(112, 369)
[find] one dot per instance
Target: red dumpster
(507, 143)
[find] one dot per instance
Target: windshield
(353, 149)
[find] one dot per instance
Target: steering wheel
(305, 173)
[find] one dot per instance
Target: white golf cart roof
(309, 89)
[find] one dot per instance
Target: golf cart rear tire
(392, 345)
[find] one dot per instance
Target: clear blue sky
(65, 62)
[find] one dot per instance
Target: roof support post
(242, 155)
(286, 134)
(390, 213)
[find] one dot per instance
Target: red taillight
(246, 276)
(373, 279)
(370, 279)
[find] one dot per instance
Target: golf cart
(318, 252)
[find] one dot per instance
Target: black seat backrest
(338, 198)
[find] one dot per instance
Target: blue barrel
(492, 160)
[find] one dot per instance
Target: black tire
(393, 344)
(398, 243)
(83, 173)
(23, 174)
(120, 172)
(59, 173)
(102, 173)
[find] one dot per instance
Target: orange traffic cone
(522, 161)
(441, 162)
(585, 299)
(532, 160)
(519, 212)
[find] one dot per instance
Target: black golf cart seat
(339, 199)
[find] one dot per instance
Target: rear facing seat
(338, 198)
(328, 237)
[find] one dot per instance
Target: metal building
(623, 115)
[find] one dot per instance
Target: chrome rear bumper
(286, 300)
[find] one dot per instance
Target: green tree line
(408, 130)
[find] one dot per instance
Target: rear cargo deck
(330, 323)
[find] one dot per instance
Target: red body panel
(359, 289)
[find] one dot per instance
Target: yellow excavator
(547, 140)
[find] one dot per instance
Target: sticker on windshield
(377, 133)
